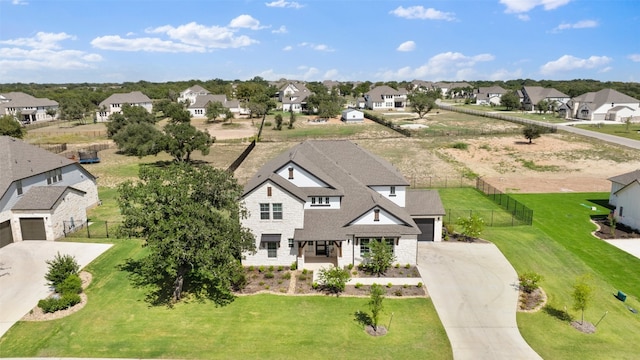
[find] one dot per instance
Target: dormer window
(392, 191)
(376, 215)
(290, 173)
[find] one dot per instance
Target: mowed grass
(633, 131)
(465, 202)
(117, 322)
(559, 246)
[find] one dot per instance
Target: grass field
(617, 130)
(116, 322)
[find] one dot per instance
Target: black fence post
(106, 227)
(88, 232)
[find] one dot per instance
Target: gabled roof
(628, 186)
(537, 93)
(134, 97)
(350, 172)
(43, 197)
(196, 89)
(20, 99)
(626, 178)
(424, 203)
(492, 90)
(203, 100)
(605, 96)
(378, 91)
(21, 160)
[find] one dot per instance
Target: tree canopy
(189, 218)
(422, 102)
(181, 139)
(11, 127)
(531, 132)
(510, 100)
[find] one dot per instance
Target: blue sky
(51, 41)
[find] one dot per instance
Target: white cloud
(197, 35)
(583, 24)
(331, 74)
(19, 2)
(419, 12)
(524, 17)
(281, 30)
(605, 70)
(407, 46)
(285, 4)
(305, 73)
(634, 57)
(569, 63)
(504, 74)
(523, 6)
(43, 52)
(317, 47)
(115, 42)
(287, 48)
(245, 21)
(442, 65)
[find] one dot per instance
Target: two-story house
(325, 201)
(293, 97)
(491, 95)
(198, 108)
(189, 95)
(113, 104)
(27, 107)
(386, 98)
(42, 195)
(625, 197)
(606, 104)
(532, 95)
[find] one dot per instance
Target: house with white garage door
(625, 197)
(41, 193)
(326, 201)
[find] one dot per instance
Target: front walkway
(474, 291)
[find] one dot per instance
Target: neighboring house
(331, 84)
(625, 196)
(421, 85)
(491, 95)
(325, 201)
(293, 96)
(606, 104)
(40, 193)
(361, 103)
(352, 115)
(28, 107)
(386, 98)
(534, 94)
(198, 108)
(113, 104)
(189, 95)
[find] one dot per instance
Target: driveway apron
(22, 281)
(474, 291)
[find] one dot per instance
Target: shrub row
(53, 304)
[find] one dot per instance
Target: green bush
(269, 275)
(389, 285)
(350, 266)
(294, 266)
(398, 292)
(334, 279)
(271, 268)
(261, 268)
(53, 304)
(280, 268)
(419, 285)
(71, 284)
(407, 266)
(529, 281)
(286, 275)
(251, 268)
(358, 285)
(60, 267)
(460, 145)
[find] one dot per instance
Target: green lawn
(617, 130)
(116, 322)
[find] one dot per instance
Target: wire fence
(91, 229)
(549, 127)
(440, 181)
(511, 205)
(491, 218)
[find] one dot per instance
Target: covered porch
(316, 254)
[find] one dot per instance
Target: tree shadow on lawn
(561, 315)
(363, 319)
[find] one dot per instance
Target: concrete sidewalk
(474, 291)
(632, 246)
(25, 267)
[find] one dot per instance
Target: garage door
(6, 237)
(33, 229)
(426, 226)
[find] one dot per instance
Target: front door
(321, 248)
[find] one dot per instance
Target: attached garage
(6, 237)
(33, 229)
(427, 227)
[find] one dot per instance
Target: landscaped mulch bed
(533, 301)
(621, 231)
(267, 278)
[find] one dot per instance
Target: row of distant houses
(603, 105)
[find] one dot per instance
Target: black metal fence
(434, 181)
(91, 229)
(519, 211)
(491, 218)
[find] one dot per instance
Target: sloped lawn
(117, 322)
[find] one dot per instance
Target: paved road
(474, 290)
(23, 283)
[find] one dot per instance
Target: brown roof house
(490, 95)
(606, 104)
(189, 95)
(532, 95)
(42, 195)
(325, 201)
(625, 196)
(386, 98)
(113, 104)
(27, 107)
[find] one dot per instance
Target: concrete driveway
(632, 246)
(22, 281)
(474, 290)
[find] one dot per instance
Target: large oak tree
(189, 218)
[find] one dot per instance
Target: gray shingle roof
(350, 171)
(537, 93)
(605, 96)
(20, 160)
(424, 203)
(134, 97)
(42, 197)
(378, 91)
(20, 99)
(626, 178)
